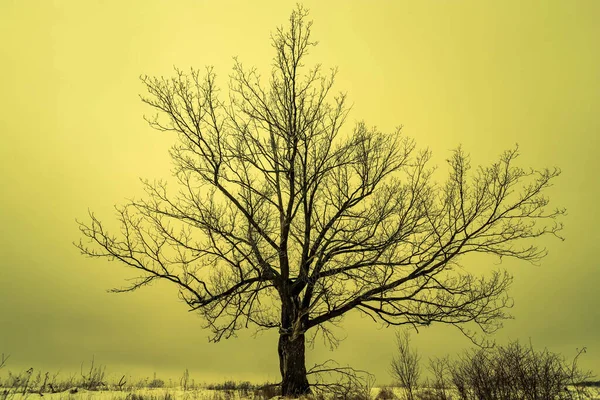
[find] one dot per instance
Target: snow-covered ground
(594, 393)
(137, 394)
(177, 394)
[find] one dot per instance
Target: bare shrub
(94, 378)
(227, 385)
(405, 365)
(267, 391)
(344, 383)
(185, 380)
(440, 370)
(386, 393)
(156, 383)
(120, 385)
(517, 372)
(7, 388)
(579, 378)
(55, 385)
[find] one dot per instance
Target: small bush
(267, 391)
(227, 385)
(386, 393)
(94, 378)
(156, 383)
(185, 380)
(516, 372)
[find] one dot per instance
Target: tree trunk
(292, 365)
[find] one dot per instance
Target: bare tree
(440, 371)
(405, 366)
(285, 220)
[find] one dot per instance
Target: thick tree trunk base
(292, 366)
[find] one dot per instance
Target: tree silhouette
(285, 220)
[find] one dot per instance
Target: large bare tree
(286, 220)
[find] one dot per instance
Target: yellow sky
(487, 74)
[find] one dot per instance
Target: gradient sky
(487, 74)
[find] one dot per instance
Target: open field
(177, 393)
(198, 394)
(536, 375)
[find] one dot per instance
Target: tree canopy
(287, 218)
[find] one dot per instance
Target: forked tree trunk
(292, 365)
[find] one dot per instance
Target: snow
(173, 394)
